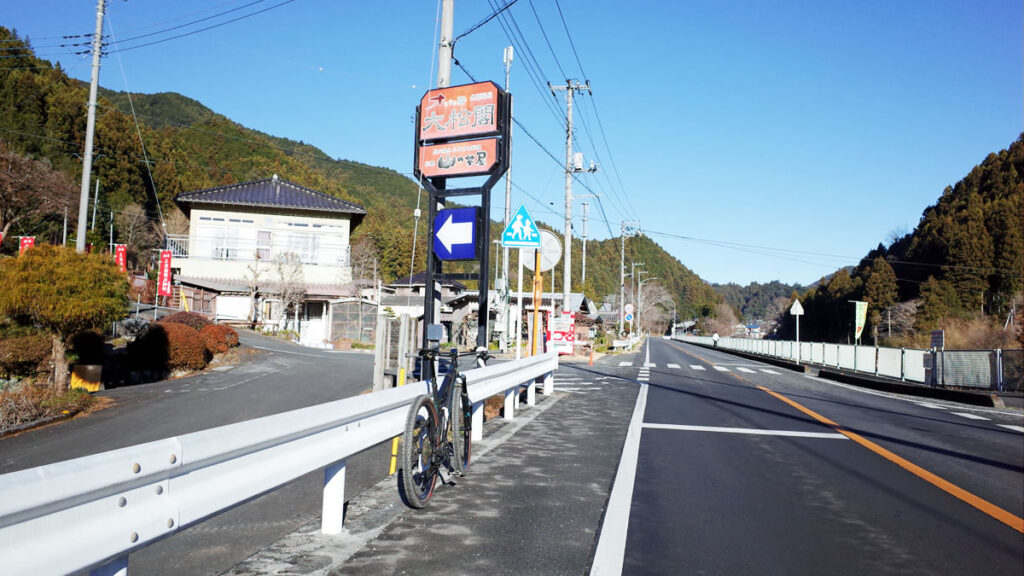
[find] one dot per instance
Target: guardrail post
(999, 369)
(333, 513)
(116, 567)
(477, 431)
(511, 399)
(549, 383)
(903, 364)
(531, 393)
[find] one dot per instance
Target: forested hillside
(757, 301)
(189, 147)
(962, 268)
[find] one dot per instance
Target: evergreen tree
(938, 301)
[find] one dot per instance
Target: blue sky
(754, 140)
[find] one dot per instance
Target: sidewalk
(532, 502)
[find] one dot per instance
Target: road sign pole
(519, 308)
(538, 285)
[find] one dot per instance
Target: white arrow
(452, 233)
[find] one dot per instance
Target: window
(263, 244)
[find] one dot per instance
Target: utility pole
(586, 214)
(570, 88)
(503, 340)
(444, 48)
(90, 127)
(64, 238)
(622, 269)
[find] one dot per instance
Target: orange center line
(1004, 516)
(1011, 520)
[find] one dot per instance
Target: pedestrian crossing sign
(521, 231)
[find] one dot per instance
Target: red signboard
(25, 243)
(163, 283)
(121, 256)
(464, 158)
(459, 111)
(562, 332)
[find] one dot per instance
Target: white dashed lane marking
(747, 370)
(769, 371)
(969, 416)
(697, 367)
(650, 365)
(624, 364)
(676, 366)
(721, 368)
(929, 405)
(1014, 428)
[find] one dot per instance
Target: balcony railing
(313, 250)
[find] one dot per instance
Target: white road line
(969, 416)
(721, 368)
(759, 431)
(697, 367)
(929, 405)
(769, 371)
(576, 388)
(643, 379)
(650, 365)
(611, 546)
(622, 364)
(676, 366)
(747, 370)
(1014, 428)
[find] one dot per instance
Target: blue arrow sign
(455, 234)
(521, 231)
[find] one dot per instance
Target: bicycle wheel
(418, 475)
(461, 416)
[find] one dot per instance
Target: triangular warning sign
(521, 232)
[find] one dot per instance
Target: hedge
(169, 346)
(24, 355)
(218, 338)
(196, 321)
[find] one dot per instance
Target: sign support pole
(538, 285)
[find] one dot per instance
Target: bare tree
(29, 188)
(253, 277)
(655, 304)
(363, 261)
(290, 285)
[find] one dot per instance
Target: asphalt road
(733, 479)
(274, 376)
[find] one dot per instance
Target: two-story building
(252, 241)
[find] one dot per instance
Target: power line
(485, 20)
(243, 17)
(165, 30)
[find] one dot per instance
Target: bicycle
(437, 438)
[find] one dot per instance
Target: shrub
(24, 355)
(134, 328)
(169, 346)
(32, 403)
(218, 338)
(196, 321)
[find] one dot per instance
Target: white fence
(988, 369)
(90, 513)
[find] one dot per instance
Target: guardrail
(987, 369)
(90, 513)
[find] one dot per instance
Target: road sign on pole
(521, 231)
(455, 234)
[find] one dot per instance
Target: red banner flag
(164, 279)
(121, 256)
(25, 243)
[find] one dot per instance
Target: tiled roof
(420, 279)
(270, 193)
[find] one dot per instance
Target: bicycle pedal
(446, 476)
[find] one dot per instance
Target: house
(251, 241)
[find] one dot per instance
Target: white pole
(90, 128)
(444, 49)
(519, 308)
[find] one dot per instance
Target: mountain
(961, 268)
(190, 147)
(757, 301)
